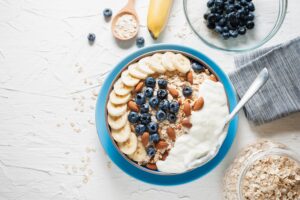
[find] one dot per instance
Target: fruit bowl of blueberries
(235, 25)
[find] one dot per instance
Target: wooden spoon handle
(130, 4)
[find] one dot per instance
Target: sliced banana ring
(156, 64)
(116, 110)
(167, 61)
(117, 122)
(135, 72)
(128, 80)
(144, 65)
(129, 146)
(140, 153)
(117, 99)
(121, 89)
(182, 63)
(122, 134)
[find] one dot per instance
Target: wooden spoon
(128, 9)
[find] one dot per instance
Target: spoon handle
(260, 80)
(130, 4)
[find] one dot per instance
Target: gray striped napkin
(280, 96)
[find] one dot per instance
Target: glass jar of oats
(263, 170)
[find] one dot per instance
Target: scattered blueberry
(107, 12)
(161, 115)
(211, 25)
(140, 129)
(144, 108)
(187, 91)
(162, 83)
(152, 127)
(197, 67)
(91, 37)
(153, 101)
(151, 151)
(250, 17)
(205, 16)
(145, 118)
(174, 106)
(251, 7)
(154, 137)
(133, 117)
(140, 99)
(150, 82)
(162, 93)
(140, 41)
(148, 92)
(210, 3)
(233, 33)
(242, 30)
(250, 25)
(172, 117)
(164, 105)
(225, 35)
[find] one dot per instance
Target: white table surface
(49, 80)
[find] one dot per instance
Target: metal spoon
(260, 80)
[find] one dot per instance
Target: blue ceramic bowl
(129, 166)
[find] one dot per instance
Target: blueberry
(229, 9)
(151, 151)
(233, 34)
(154, 137)
(225, 29)
(211, 25)
(153, 101)
(248, 0)
(225, 35)
(91, 37)
(243, 2)
(162, 83)
(219, 29)
(205, 16)
(242, 30)
(164, 105)
(140, 129)
(140, 99)
(148, 92)
(152, 127)
(133, 117)
(145, 118)
(251, 7)
(219, 3)
(210, 3)
(213, 9)
(212, 18)
(140, 41)
(250, 17)
(161, 115)
(237, 6)
(162, 93)
(150, 82)
(172, 117)
(231, 1)
(222, 22)
(144, 108)
(174, 106)
(107, 12)
(250, 25)
(187, 91)
(197, 67)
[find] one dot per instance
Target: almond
(133, 106)
(189, 77)
(165, 155)
(151, 166)
(161, 144)
(173, 92)
(180, 101)
(171, 133)
(213, 78)
(187, 108)
(145, 139)
(198, 104)
(139, 86)
(186, 123)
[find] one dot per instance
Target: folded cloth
(280, 96)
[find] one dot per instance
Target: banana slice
(128, 80)
(182, 63)
(117, 122)
(117, 99)
(116, 110)
(135, 72)
(121, 89)
(129, 146)
(140, 153)
(144, 65)
(122, 134)
(156, 64)
(167, 61)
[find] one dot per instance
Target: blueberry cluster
(165, 109)
(230, 18)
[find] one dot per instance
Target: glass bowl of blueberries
(235, 25)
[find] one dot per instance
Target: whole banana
(158, 15)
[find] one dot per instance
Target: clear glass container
(254, 153)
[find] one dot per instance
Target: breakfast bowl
(266, 18)
(117, 150)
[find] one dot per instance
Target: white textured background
(49, 80)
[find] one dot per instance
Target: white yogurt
(206, 135)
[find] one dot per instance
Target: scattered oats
(72, 124)
(74, 98)
(88, 150)
(90, 83)
(74, 169)
(82, 97)
(95, 93)
(77, 130)
(76, 109)
(85, 81)
(90, 172)
(92, 107)
(58, 125)
(91, 122)
(93, 98)
(79, 70)
(81, 110)
(85, 179)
